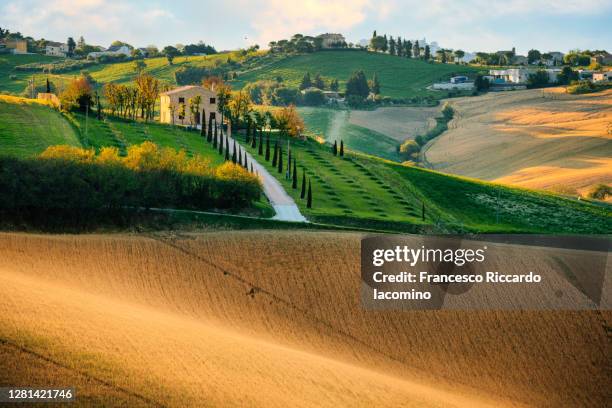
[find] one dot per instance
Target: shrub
(600, 192)
(408, 148)
(313, 97)
(75, 184)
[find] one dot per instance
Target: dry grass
(536, 139)
(269, 319)
(400, 123)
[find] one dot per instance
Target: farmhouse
(114, 50)
(603, 59)
(14, 46)
(56, 49)
(332, 41)
(602, 76)
(171, 103)
(511, 75)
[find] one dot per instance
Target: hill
(366, 191)
(28, 127)
(183, 321)
(534, 138)
(399, 77)
(16, 81)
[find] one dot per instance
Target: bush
(56, 67)
(313, 97)
(583, 87)
(75, 184)
(600, 192)
(408, 148)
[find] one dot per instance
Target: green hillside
(15, 81)
(399, 77)
(28, 127)
(369, 192)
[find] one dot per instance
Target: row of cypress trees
(335, 148)
(254, 137)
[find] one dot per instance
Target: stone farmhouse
(171, 101)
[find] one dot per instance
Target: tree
(170, 52)
(227, 156)
(378, 43)
(71, 46)
(566, 76)
(306, 81)
(209, 135)
(268, 147)
(539, 79)
(280, 160)
(427, 53)
(416, 49)
(139, 66)
(309, 197)
(391, 46)
(533, 56)
(400, 47)
(357, 85)
(303, 192)
(78, 95)
(333, 85)
(182, 112)
(98, 106)
(375, 85)
(234, 158)
(459, 54)
(239, 155)
(318, 82)
(341, 148)
(48, 87)
(260, 147)
(409, 148)
(81, 43)
(275, 157)
(408, 49)
(203, 125)
(239, 107)
(335, 148)
(481, 83)
(441, 55)
(294, 180)
(289, 120)
(224, 94)
(216, 135)
(313, 97)
(385, 46)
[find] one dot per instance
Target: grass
(7, 64)
(399, 77)
(27, 127)
(369, 192)
(333, 125)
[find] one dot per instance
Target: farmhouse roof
(182, 89)
(54, 43)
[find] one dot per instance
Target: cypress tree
(335, 148)
(303, 192)
(254, 139)
(49, 86)
(251, 167)
(209, 137)
(309, 198)
(202, 127)
(247, 134)
(215, 140)
(294, 182)
(275, 157)
(423, 212)
(280, 160)
(246, 166)
(227, 156)
(240, 157)
(289, 163)
(268, 147)
(342, 148)
(234, 154)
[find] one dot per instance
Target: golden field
(543, 139)
(268, 319)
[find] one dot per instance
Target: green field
(19, 82)
(399, 77)
(333, 125)
(27, 127)
(368, 192)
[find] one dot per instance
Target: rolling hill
(269, 319)
(534, 138)
(399, 77)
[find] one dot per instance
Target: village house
(602, 76)
(332, 41)
(14, 46)
(115, 50)
(602, 59)
(56, 49)
(171, 101)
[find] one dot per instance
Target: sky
(471, 25)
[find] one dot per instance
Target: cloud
(101, 19)
(275, 19)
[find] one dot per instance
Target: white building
(602, 76)
(511, 75)
(56, 49)
(329, 40)
(115, 50)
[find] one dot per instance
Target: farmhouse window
(213, 101)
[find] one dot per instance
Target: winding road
(286, 209)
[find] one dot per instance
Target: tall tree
(391, 45)
(408, 49)
(234, 157)
(210, 129)
(375, 88)
(459, 54)
(275, 157)
(260, 148)
(268, 146)
(306, 81)
(427, 53)
(227, 156)
(335, 148)
(318, 82)
(385, 46)
(294, 180)
(303, 192)
(400, 47)
(71, 46)
(416, 49)
(203, 124)
(341, 148)
(357, 85)
(309, 197)
(280, 160)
